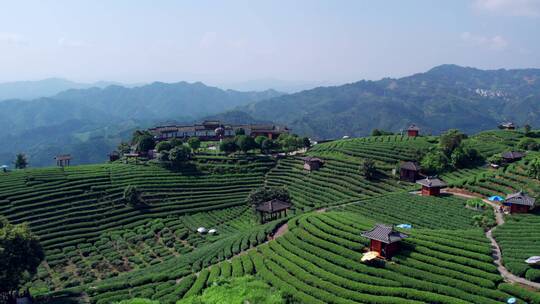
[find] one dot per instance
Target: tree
(526, 129)
(289, 142)
(533, 169)
(175, 142)
(239, 131)
(245, 143)
(368, 169)
(376, 132)
(20, 161)
(450, 141)
(261, 195)
(464, 157)
(306, 142)
(124, 148)
(267, 145)
(145, 143)
(179, 155)
(259, 140)
(163, 146)
(434, 161)
(20, 256)
(228, 146)
(133, 196)
(194, 143)
(163, 156)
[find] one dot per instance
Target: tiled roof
(413, 127)
(520, 198)
(274, 205)
(414, 166)
(384, 233)
(513, 155)
(431, 182)
(312, 159)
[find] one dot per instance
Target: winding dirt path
(496, 253)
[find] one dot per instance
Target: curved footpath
(497, 256)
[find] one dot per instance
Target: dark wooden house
(272, 209)
(519, 202)
(413, 131)
(63, 160)
(431, 185)
(409, 171)
(312, 163)
(384, 240)
(512, 156)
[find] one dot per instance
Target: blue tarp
(496, 198)
(404, 226)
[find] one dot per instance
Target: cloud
(12, 39)
(70, 43)
(530, 8)
(493, 43)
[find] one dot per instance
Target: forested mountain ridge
(447, 96)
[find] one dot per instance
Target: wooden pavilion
(384, 240)
(512, 156)
(413, 131)
(507, 125)
(409, 171)
(312, 163)
(63, 160)
(519, 202)
(272, 209)
(431, 186)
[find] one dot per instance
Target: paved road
(497, 256)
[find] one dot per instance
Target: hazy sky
(233, 41)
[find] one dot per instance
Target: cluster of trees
(244, 143)
(450, 153)
(377, 132)
(20, 256)
(175, 153)
(264, 194)
(133, 196)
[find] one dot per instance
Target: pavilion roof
(413, 166)
(274, 205)
(384, 233)
(431, 182)
(520, 198)
(413, 127)
(63, 157)
(309, 159)
(513, 155)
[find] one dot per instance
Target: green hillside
(100, 249)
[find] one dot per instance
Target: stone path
(497, 256)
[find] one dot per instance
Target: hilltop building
(431, 186)
(312, 163)
(214, 130)
(409, 171)
(413, 131)
(384, 240)
(519, 202)
(512, 156)
(507, 126)
(63, 160)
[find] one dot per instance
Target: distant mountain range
(44, 88)
(447, 96)
(90, 122)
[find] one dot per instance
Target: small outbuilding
(312, 163)
(508, 126)
(519, 202)
(409, 171)
(272, 209)
(413, 131)
(384, 240)
(512, 156)
(114, 156)
(431, 186)
(63, 160)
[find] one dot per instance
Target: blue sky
(234, 41)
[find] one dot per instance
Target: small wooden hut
(413, 131)
(519, 202)
(508, 126)
(114, 156)
(272, 209)
(409, 171)
(384, 240)
(63, 160)
(431, 186)
(512, 156)
(312, 163)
